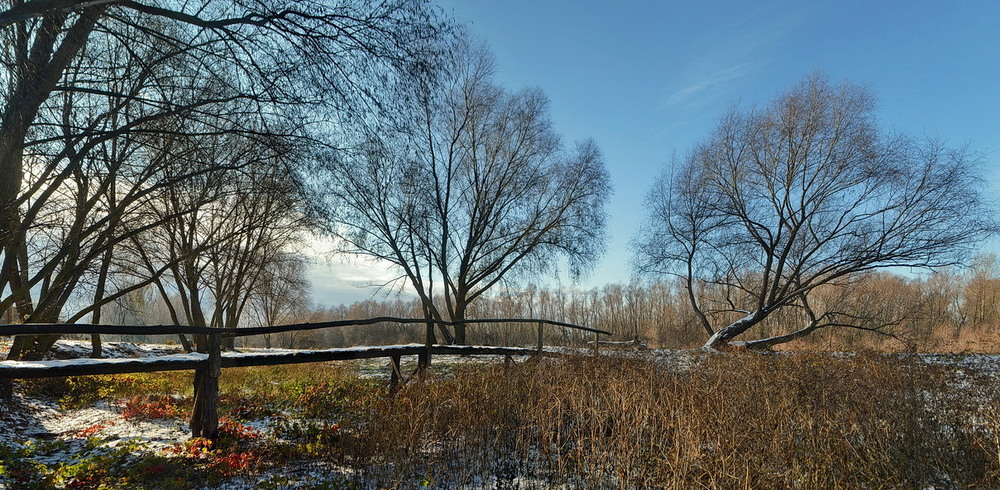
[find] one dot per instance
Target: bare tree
(980, 303)
(219, 235)
(805, 193)
(281, 294)
(96, 161)
(95, 93)
(477, 191)
(276, 49)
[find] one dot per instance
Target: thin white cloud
(343, 279)
(733, 51)
(340, 282)
(712, 82)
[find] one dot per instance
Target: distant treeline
(946, 310)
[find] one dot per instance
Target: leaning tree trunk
(185, 343)
(431, 314)
(768, 343)
(721, 339)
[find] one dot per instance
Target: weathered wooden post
(540, 328)
(597, 342)
(397, 374)
(424, 359)
(205, 415)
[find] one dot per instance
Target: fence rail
(86, 328)
(194, 361)
(208, 365)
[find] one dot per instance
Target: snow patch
(94, 362)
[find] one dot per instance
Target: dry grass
(804, 421)
(732, 421)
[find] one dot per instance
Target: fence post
(397, 374)
(205, 415)
(540, 327)
(424, 358)
(597, 342)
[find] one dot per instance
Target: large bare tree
(97, 95)
(218, 235)
(804, 193)
(477, 190)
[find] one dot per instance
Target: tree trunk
(766, 344)
(396, 375)
(96, 349)
(205, 416)
(460, 333)
(201, 343)
(424, 359)
(102, 282)
(448, 337)
(31, 347)
(721, 339)
(10, 183)
(185, 343)
(431, 313)
(45, 66)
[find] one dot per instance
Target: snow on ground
(981, 364)
(42, 419)
(86, 361)
(38, 419)
(74, 349)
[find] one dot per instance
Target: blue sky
(648, 79)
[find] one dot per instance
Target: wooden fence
(208, 363)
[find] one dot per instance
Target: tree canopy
(477, 189)
(806, 192)
(107, 106)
